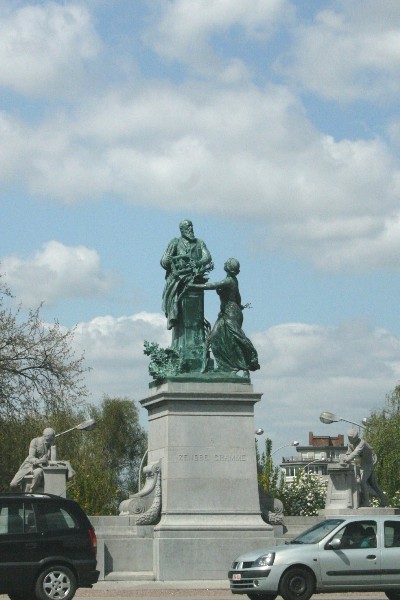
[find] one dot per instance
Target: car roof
(367, 516)
(36, 497)
(29, 495)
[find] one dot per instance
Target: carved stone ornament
(145, 506)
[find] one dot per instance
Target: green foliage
(164, 362)
(305, 496)
(269, 477)
(383, 433)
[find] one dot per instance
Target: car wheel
(56, 583)
(393, 595)
(297, 584)
(262, 596)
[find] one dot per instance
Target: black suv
(47, 547)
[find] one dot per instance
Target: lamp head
(328, 417)
(87, 425)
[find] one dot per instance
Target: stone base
(202, 432)
(203, 555)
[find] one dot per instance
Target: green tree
(38, 369)
(383, 433)
(107, 458)
(270, 478)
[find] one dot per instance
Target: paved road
(187, 590)
(120, 590)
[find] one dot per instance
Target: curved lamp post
(260, 431)
(328, 417)
(294, 443)
(84, 426)
(310, 463)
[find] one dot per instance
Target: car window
(357, 534)
(316, 533)
(16, 517)
(54, 517)
(392, 534)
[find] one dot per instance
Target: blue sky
(273, 125)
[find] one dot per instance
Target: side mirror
(335, 544)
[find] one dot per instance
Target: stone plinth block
(203, 433)
(342, 492)
(55, 480)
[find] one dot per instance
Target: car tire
(393, 595)
(55, 583)
(297, 584)
(262, 596)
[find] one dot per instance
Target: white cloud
(185, 32)
(188, 32)
(44, 47)
(349, 51)
(113, 350)
(238, 152)
(57, 272)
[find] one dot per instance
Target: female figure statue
(232, 350)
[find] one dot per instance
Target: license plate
(237, 576)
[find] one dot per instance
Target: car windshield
(316, 533)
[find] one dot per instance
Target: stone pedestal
(55, 480)
(203, 433)
(342, 492)
(188, 334)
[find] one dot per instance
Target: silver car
(340, 554)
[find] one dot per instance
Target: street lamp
(294, 443)
(260, 431)
(310, 463)
(84, 426)
(328, 417)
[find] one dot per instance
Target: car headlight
(266, 560)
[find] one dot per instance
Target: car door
(355, 563)
(391, 552)
(18, 541)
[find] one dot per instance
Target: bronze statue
(369, 483)
(185, 260)
(232, 350)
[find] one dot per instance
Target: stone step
(130, 576)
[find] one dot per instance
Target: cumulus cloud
(242, 150)
(245, 151)
(305, 369)
(44, 47)
(113, 350)
(349, 51)
(185, 32)
(57, 272)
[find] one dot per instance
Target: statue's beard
(189, 235)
